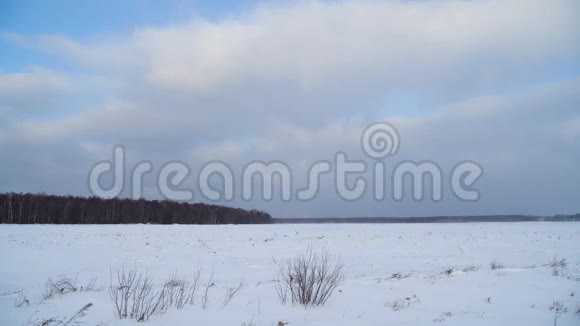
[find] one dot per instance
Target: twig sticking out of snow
(231, 292)
(205, 298)
(78, 315)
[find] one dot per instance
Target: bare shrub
(282, 289)
(47, 322)
(561, 263)
(59, 287)
(249, 323)
(11, 292)
(401, 304)
(147, 301)
(471, 268)
(175, 292)
(495, 265)
(134, 296)
(178, 291)
(557, 271)
(400, 276)
(64, 285)
(90, 286)
(398, 304)
(75, 319)
(22, 301)
(448, 272)
(558, 308)
(559, 267)
(308, 279)
(442, 317)
(122, 291)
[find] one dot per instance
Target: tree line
(18, 208)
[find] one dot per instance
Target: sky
(492, 82)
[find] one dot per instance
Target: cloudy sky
(495, 82)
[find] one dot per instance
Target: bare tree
(41, 208)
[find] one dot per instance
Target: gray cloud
(299, 82)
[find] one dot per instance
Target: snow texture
(395, 274)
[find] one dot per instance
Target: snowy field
(444, 272)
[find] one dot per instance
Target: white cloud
(32, 90)
(312, 43)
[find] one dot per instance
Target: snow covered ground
(470, 293)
